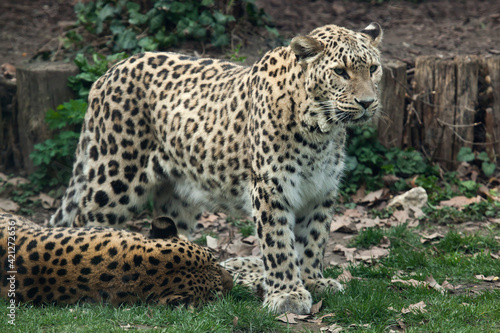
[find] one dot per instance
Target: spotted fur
(68, 265)
(204, 134)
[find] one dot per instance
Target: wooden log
(447, 102)
(424, 91)
(466, 101)
(40, 87)
(390, 124)
(493, 114)
(9, 151)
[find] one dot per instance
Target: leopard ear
(306, 48)
(374, 31)
(163, 227)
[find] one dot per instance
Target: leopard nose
(365, 103)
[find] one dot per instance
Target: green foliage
(378, 301)
(473, 212)
(246, 227)
(66, 114)
(455, 241)
(54, 157)
(138, 27)
(235, 56)
(467, 155)
(202, 240)
(367, 161)
(91, 71)
(368, 237)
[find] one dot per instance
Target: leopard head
(342, 72)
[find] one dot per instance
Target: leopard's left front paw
(323, 285)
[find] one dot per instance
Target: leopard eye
(373, 68)
(341, 72)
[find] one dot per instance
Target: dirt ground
(442, 27)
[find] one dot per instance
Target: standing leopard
(70, 265)
(204, 134)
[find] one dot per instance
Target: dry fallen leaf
(345, 277)
(345, 222)
(239, 249)
(460, 202)
(250, 239)
(373, 253)
(427, 238)
(434, 285)
(348, 251)
(9, 205)
(401, 324)
(334, 328)
(326, 316)
(18, 181)
(410, 282)
(490, 278)
(47, 201)
(401, 215)
(385, 242)
(356, 325)
(235, 321)
(374, 196)
(367, 222)
(315, 307)
(289, 318)
(415, 308)
(211, 242)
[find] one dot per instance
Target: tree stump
(9, 152)
(492, 118)
(40, 87)
(447, 90)
(393, 87)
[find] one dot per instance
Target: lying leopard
(205, 134)
(66, 265)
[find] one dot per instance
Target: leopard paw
(298, 301)
(324, 285)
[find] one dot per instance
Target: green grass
(215, 317)
(455, 258)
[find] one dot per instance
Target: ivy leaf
(137, 18)
(148, 44)
(488, 168)
(483, 156)
(133, 6)
(207, 3)
(156, 22)
(351, 163)
(126, 40)
(205, 18)
(465, 155)
(105, 12)
(220, 40)
(116, 27)
(223, 19)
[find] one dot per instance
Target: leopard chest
(313, 177)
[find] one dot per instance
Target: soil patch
(444, 28)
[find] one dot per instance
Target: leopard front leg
(311, 235)
(285, 290)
